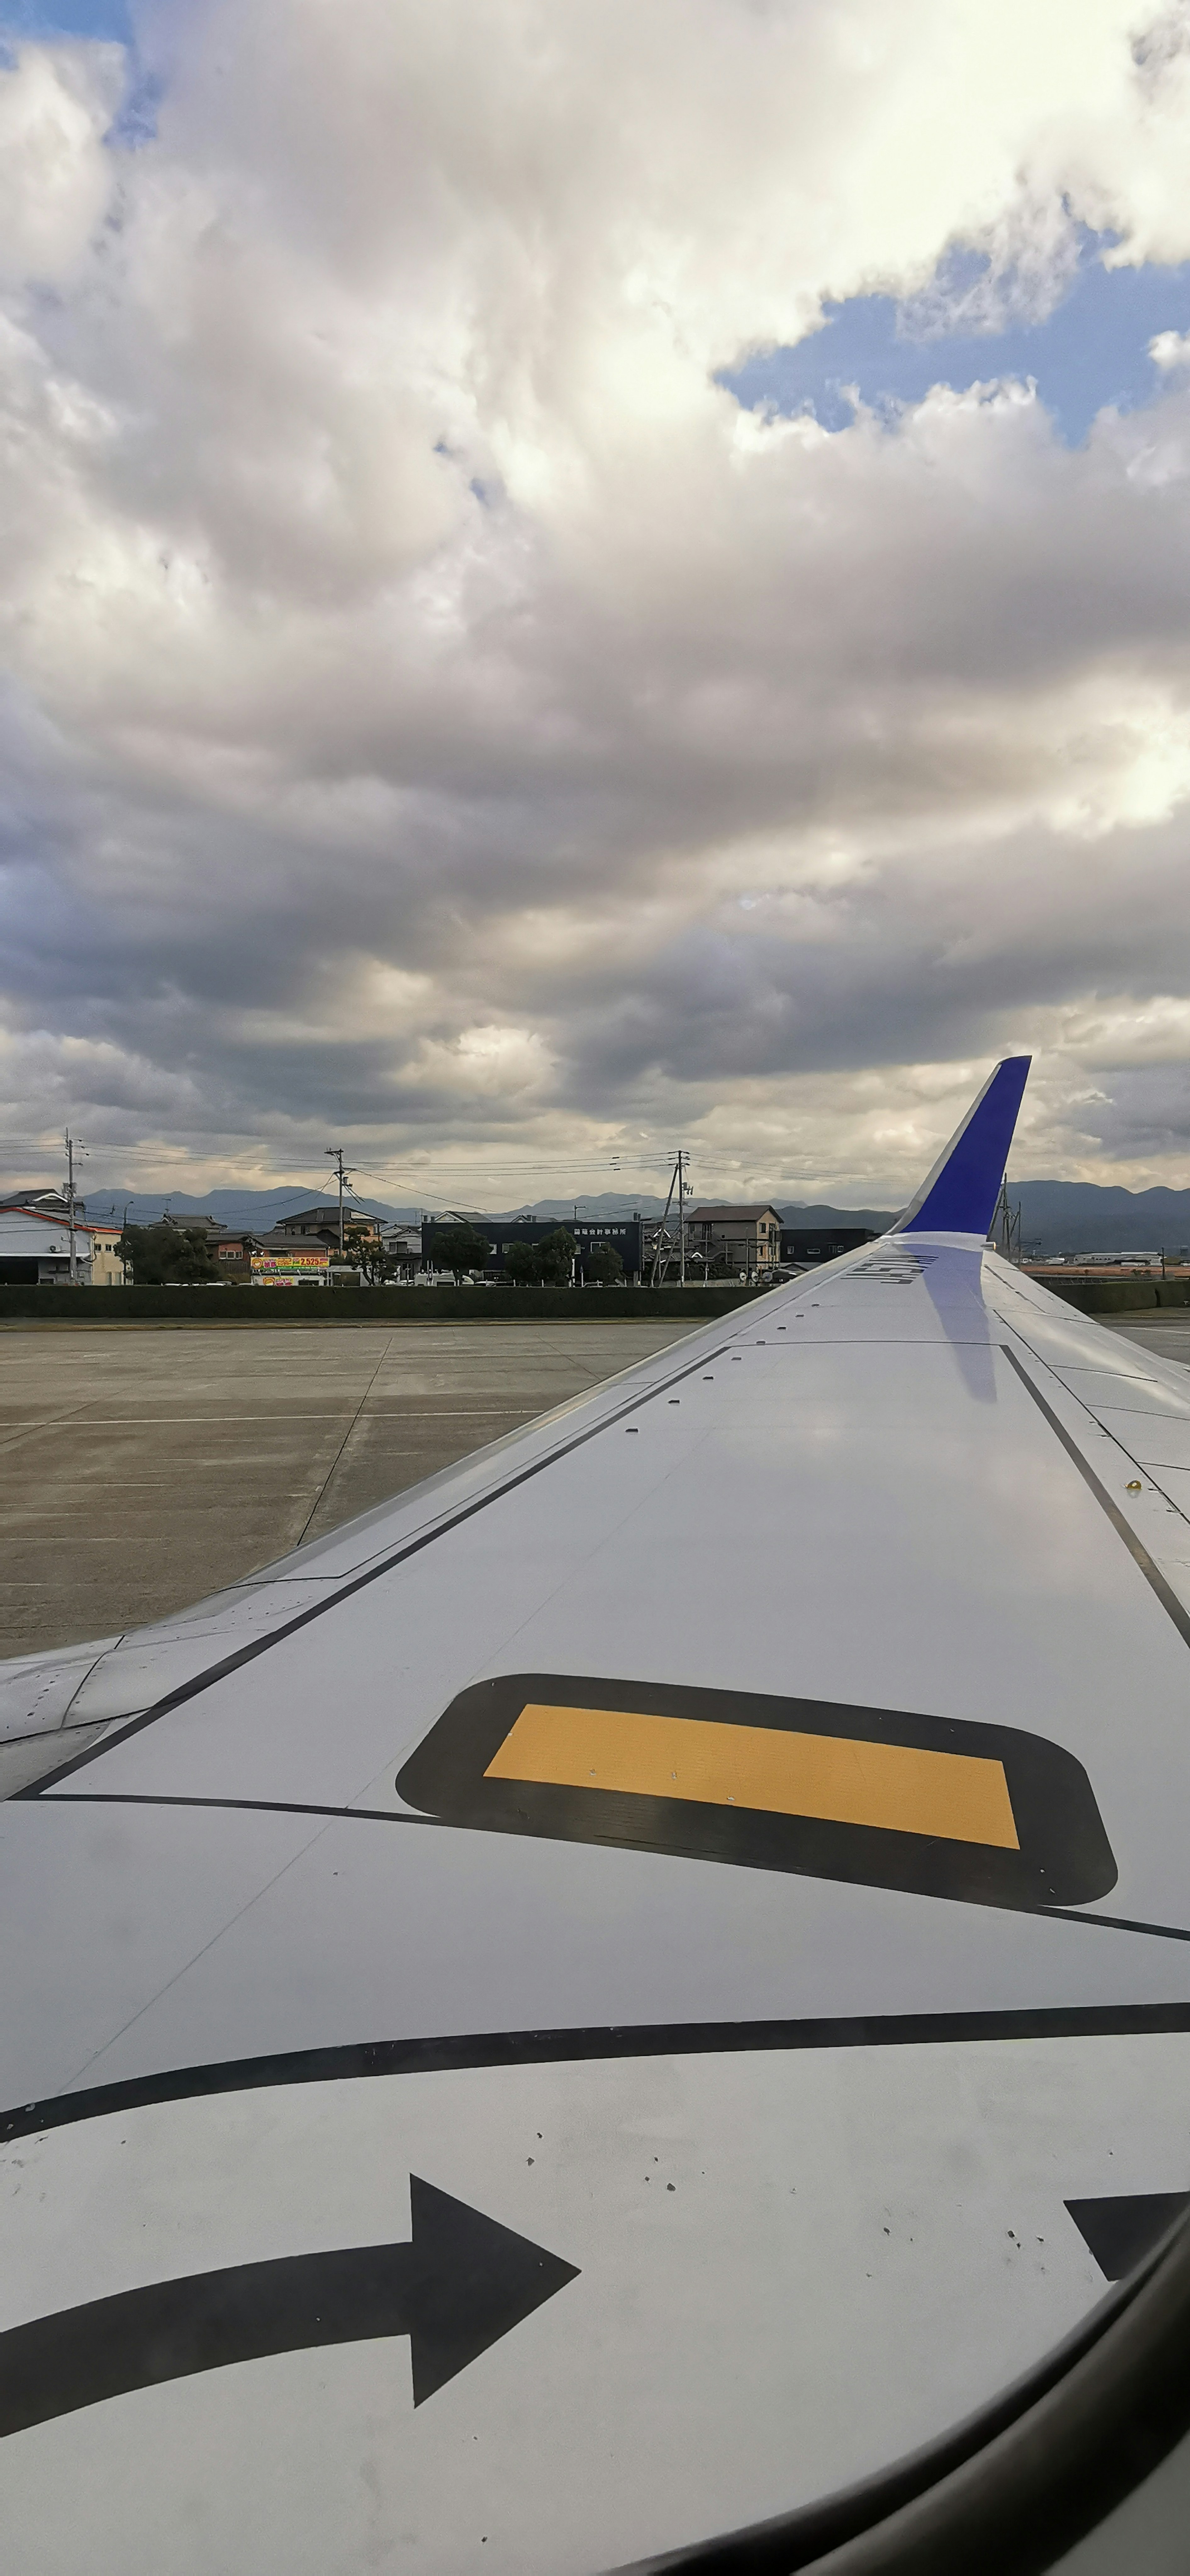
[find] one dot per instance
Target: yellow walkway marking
(961, 1796)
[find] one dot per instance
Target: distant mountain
(607, 1204)
(1056, 1216)
(1060, 1216)
(813, 1212)
(263, 1208)
(1080, 1216)
(257, 1208)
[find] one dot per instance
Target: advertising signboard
(297, 1269)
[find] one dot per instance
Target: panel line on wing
(1137, 1550)
(350, 2061)
(247, 1653)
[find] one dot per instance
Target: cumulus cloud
(56, 181)
(435, 708)
(1170, 350)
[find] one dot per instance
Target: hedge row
(367, 1305)
(224, 1305)
(1120, 1296)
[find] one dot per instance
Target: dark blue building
(803, 1244)
(622, 1233)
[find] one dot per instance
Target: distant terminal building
(802, 1245)
(1170, 1263)
(1120, 1260)
(623, 1235)
(744, 1238)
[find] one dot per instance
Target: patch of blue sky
(109, 19)
(1092, 350)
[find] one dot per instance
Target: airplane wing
(632, 2008)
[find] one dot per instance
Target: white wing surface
(640, 1992)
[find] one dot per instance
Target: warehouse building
(622, 1235)
(35, 1250)
(804, 1245)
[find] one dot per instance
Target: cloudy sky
(580, 576)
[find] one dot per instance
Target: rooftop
(717, 1215)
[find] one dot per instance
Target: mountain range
(1056, 1216)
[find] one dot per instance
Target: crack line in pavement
(327, 1479)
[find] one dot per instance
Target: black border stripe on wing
(1063, 1856)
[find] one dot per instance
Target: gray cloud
(435, 709)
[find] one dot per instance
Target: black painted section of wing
(1125, 2226)
(1064, 1856)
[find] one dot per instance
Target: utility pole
(681, 1216)
(1010, 1223)
(336, 1155)
(74, 1268)
(661, 1250)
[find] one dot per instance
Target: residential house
(107, 1269)
(403, 1245)
(321, 1224)
(277, 1259)
(746, 1238)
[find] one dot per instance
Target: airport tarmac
(1167, 1335)
(143, 1470)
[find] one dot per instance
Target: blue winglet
(959, 1196)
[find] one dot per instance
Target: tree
(368, 1254)
(166, 1255)
(463, 1248)
(542, 1265)
(604, 1266)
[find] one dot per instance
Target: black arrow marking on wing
(1120, 2229)
(462, 2283)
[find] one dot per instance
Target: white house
(35, 1251)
